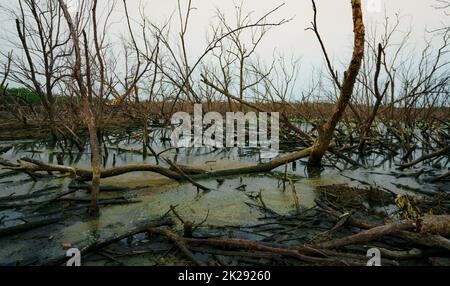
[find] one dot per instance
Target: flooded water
(230, 201)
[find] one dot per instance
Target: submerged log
(86, 175)
(441, 152)
(441, 177)
(27, 226)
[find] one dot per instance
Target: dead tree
(376, 62)
(174, 69)
(5, 74)
(239, 49)
(378, 100)
(43, 45)
(326, 131)
(84, 84)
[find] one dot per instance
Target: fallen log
(368, 235)
(54, 198)
(428, 240)
(102, 202)
(434, 241)
(255, 254)
(86, 175)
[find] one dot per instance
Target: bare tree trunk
(241, 81)
(326, 131)
(145, 137)
(368, 124)
(86, 95)
(379, 99)
(95, 157)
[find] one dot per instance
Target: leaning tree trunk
(326, 131)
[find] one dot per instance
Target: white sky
(334, 20)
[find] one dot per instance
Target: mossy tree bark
(326, 131)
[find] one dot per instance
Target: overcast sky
(334, 20)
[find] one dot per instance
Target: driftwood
(188, 170)
(5, 163)
(54, 198)
(82, 201)
(36, 166)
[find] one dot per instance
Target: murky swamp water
(228, 203)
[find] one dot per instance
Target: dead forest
(87, 161)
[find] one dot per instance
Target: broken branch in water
(186, 177)
(27, 226)
(368, 235)
(37, 166)
(443, 151)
